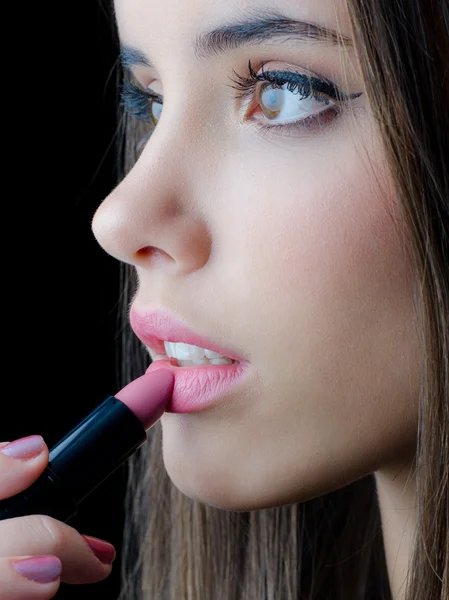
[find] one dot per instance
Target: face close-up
(274, 238)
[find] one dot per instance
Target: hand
(37, 552)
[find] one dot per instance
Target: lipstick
(94, 449)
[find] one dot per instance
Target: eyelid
(294, 77)
(143, 75)
(329, 85)
(146, 89)
(154, 96)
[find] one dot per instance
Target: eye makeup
(303, 85)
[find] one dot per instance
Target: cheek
(318, 236)
(333, 287)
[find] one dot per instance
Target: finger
(84, 559)
(29, 577)
(21, 463)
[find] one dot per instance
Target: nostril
(147, 251)
(151, 252)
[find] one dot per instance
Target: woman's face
(279, 243)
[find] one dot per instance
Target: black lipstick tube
(80, 462)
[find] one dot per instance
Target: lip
(198, 387)
(153, 327)
(195, 387)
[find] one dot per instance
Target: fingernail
(104, 551)
(41, 569)
(24, 448)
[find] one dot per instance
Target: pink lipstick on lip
(198, 387)
(195, 387)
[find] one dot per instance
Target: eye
(291, 100)
(145, 106)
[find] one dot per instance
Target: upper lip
(154, 327)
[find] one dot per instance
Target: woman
(289, 204)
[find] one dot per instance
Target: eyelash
(138, 102)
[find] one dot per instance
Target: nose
(150, 218)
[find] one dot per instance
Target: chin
(227, 488)
(209, 469)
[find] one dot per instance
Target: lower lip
(199, 387)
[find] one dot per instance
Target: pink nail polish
(24, 448)
(42, 569)
(104, 551)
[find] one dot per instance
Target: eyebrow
(260, 27)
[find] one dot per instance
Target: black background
(59, 287)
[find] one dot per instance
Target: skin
(284, 247)
(39, 535)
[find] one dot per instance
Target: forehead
(152, 23)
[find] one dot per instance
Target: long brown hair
(329, 548)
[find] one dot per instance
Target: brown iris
(273, 100)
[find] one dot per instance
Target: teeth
(189, 355)
(212, 354)
(184, 351)
(213, 361)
